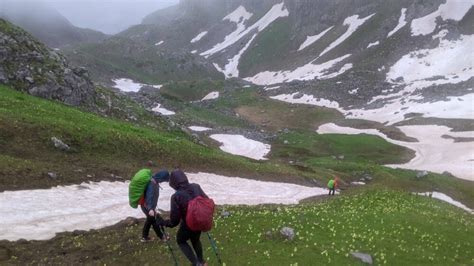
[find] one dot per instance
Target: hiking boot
(165, 238)
(146, 239)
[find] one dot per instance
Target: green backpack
(137, 186)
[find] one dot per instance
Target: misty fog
(109, 16)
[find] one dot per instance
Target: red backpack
(200, 214)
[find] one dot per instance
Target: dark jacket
(179, 200)
(152, 191)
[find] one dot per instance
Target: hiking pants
(150, 221)
(185, 234)
(332, 190)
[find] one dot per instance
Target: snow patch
(46, 212)
(309, 71)
(354, 22)
(194, 51)
(358, 183)
(312, 39)
(129, 85)
(423, 64)
(163, 111)
(455, 107)
(199, 128)
(240, 145)
(446, 198)
(373, 44)
(231, 68)
(401, 23)
(238, 15)
(271, 88)
(159, 43)
(433, 152)
(354, 91)
(307, 99)
(452, 9)
(277, 11)
(199, 37)
(211, 96)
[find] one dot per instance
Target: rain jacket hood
(178, 179)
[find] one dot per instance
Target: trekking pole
(214, 247)
(169, 245)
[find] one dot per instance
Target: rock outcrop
(28, 65)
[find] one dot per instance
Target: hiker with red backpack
(192, 209)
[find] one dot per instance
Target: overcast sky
(108, 16)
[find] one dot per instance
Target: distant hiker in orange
(333, 184)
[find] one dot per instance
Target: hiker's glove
(151, 213)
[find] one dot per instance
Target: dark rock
(22, 241)
(299, 95)
(446, 173)
(129, 221)
(78, 232)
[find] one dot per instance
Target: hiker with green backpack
(144, 190)
(193, 210)
(333, 184)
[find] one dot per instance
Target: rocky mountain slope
(405, 65)
(30, 66)
(47, 24)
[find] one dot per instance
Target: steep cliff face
(30, 66)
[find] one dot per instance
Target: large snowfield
(95, 205)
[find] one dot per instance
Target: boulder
(52, 175)
(366, 258)
(225, 214)
(421, 174)
(288, 233)
(129, 221)
(60, 144)
(299, 95)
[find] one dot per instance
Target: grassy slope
(396, 228)
(359, 148)
(100, 147)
